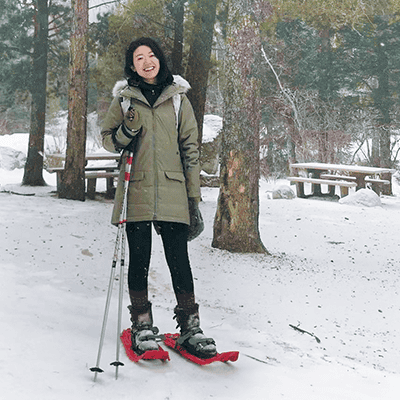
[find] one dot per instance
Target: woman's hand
(130, 114)
(131, 119)
(196, 219)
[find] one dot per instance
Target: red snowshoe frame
(159, 354)
(171, 341)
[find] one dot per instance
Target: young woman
(152, 116)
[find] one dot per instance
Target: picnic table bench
(92, 173)
(332, 175)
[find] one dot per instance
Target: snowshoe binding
(140, 341)
(192, 338)
(158, 354)
(191, 342)
(171, 340)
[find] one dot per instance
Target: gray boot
(143, 333)
(192, 337)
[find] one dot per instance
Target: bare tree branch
(283, 90)
(103, 4)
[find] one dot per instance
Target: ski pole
(128, 167)
(118, 363)
(97, 368)
(120, 234)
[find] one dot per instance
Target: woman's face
(146, 64)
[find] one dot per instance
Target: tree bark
(383, 104)
(33, 173)
(178, 12)
(200, 57)
(236, 225)
(73, 181)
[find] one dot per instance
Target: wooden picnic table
(90, 157)
(93, 172)
(339, 175)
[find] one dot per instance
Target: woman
(152, 116)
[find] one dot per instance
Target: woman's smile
(146, 64)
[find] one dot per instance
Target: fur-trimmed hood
(178, 81)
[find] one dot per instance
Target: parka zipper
(155, 167)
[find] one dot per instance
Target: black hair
(164, 76)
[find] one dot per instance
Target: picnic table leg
(360, 180)
(387, 189)
(300, 189)
(344, 191)
(377, 188)
(331, 190)
(59, 179)
(110, 188)
(91, 188)
(316, 187)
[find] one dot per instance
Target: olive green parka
(165, 168)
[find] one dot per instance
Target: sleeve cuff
(124, 135)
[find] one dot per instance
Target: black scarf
(151, 92)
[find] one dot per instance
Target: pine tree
(331, 19)
(317, 71)
(236, 221)
(24, 65)
(73, 179)
(375, 51)
(199, 64)
(177, 10)
(33, 174)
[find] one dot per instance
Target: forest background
(293, 80)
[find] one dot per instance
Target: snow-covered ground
(333, 271)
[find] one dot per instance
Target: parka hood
(182, 84)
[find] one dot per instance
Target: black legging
(174, 237)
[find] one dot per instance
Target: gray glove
(196, 220)
(132, 119)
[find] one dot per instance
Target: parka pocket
(175, 176)
(172, 195)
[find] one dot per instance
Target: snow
(211, 127)
(363, 197)
(97, 7)
(333, 271)
(11, 159)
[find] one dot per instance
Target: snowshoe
(140, 341)
(192, 338)
(157, 354)
(191, 342)
(195, 342)
(172, 341)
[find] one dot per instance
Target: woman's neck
(151, 81)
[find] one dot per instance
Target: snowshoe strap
(148, 337)
(205, 341)
(194, 341)
(147, 327)
(154, 336)
(187, 335)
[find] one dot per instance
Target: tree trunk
(73, 180)
(33, 173)
(385, 142)
(178, 12)
(200, 57)
(383, 103)
(375, 150)
(236, 226)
